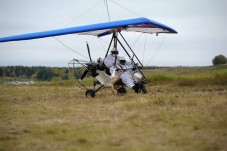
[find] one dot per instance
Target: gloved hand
(134, 68)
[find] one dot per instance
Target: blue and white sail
(143, 25)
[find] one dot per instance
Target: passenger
(112, 59)
(125, 72)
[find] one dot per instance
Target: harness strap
(124, 70)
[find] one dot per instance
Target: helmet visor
(122, 61)
(114, 52)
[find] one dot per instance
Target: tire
(121, 90)
(144, 90)
(90, 93)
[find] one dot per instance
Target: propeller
(84, 74)
(88, 50)
(91, 67)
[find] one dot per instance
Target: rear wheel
(90, 93)
(144, 90)
(121, 90)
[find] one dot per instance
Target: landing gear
(138, 87)
(119, 86)
(121, 90)
(90, 93)
(143, 88)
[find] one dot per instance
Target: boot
(143, 88)
(136, 88)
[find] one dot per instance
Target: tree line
(35, 73)
(63, 73)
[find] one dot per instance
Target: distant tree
(45, 74)
(12, 74)
(27, 71)
(7, 71)
(1, 71)
(66, 74)
(19, 71)
(220, 59)
(66, 77)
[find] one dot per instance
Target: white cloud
(200, 25)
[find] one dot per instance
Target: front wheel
(144, 90)
(121, 90)
(90, 93)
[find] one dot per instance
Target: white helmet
(137, 76)
(121, 58)
(114, 49)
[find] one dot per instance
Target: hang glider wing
(143, 25)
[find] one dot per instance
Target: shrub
(220, 77)
(220, 59)
(188, 82)
(160, 78)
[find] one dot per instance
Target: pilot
(112, 58)
(124, 69)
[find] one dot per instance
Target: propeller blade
(84, 74)
(88, 49)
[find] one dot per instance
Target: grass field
(171, 116)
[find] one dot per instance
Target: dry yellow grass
(61, 118)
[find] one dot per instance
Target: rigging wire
(94, 13)
(156, 51)
(107, 10)
(69, 48)
(136, 40)
(86, 11)
(104, 2)
(103, 40)
(129, 10)
(91, 8)
(108, 43)
(144, 47)
(102, 12)
(103, 48)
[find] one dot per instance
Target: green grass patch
(179, 112)
(186, 76)
(61, 118)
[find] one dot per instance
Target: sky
(200, 25)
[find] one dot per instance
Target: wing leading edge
(143, 25)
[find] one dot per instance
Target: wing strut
(109, 46)
(116, 40)
(134, 55)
